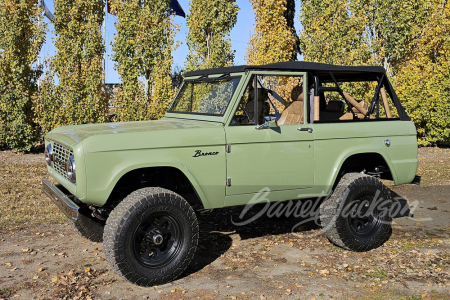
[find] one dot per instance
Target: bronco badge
(199, 153)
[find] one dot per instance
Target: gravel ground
(262, 260)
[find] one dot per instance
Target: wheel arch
(345, 165)
(145, 172)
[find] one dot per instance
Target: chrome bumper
(67, 206)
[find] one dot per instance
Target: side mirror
(271, 122)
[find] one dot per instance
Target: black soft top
(316, 69)
(321, 73)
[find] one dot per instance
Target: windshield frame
(221, 77)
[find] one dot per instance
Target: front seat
(263, 107)
(293, 114)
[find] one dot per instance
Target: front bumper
(67, 206)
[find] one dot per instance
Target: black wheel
(357, 215)
(88, 227)
(151, 236)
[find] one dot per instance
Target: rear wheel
(357, 215)
(151, 236)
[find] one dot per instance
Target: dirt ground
(262, 260)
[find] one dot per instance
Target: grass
(434, 172)
(22, 202)
(434, 165)
(6, 292)
(408, 246)
(377, 273)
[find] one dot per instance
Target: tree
(79, 96)
(423, 80)
(409, 38)
(143, 49)
(334, 31)
(21, 39)
(210, 23)
(274, 39)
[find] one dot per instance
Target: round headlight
(70, 169)
(49, 154)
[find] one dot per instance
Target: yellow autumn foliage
(273, 40)
(411, 39)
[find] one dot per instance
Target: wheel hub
(154, 237)
(365, 222)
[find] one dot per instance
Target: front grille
(60, 155)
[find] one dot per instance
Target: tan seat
(250, 106)
(349, 115)
(293, 114)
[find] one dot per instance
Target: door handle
(309, 129)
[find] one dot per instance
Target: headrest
(335, 106)
(297, 93)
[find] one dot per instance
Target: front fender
(206, 174)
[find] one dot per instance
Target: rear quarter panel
(335, 142)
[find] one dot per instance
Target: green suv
(295, 130)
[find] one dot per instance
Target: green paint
(293, 164)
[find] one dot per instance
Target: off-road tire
(344, 231)
(124, 228)
(88, 227)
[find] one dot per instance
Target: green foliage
(210, 23)
(78, 96)
(409, 38)
(273, 40)
(335, 32)
(423, 81)
(21, 39)
(143, 49)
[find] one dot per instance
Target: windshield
(207, 97)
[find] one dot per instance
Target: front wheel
(151, 236)
(357, 215)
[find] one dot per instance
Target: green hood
(72, 135)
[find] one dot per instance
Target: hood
(72, 135)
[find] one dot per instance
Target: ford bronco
(301, 130)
